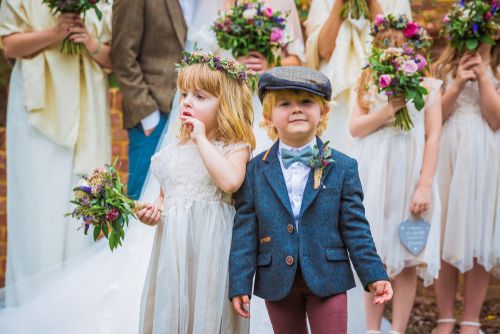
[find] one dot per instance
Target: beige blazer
(148, 38)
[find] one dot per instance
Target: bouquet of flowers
(470, 23)
(399, 72)
(354, 9)
(249, 27)
(77, 7)
(101, 202)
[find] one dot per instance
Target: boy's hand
(241, 305)
(149, 214)
(382, 292)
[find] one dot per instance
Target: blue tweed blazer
(332, 230)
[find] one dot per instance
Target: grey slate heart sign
(413, 235)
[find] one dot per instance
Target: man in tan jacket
(148, 38)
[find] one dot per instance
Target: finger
(389, 291)
(256, 54)
(413, 208)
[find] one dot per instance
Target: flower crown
(417, 35)
(216, 63)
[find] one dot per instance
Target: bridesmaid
(338, 47)
(57, 126)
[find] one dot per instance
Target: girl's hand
(479, 69)
(395, 104)
(464, 71)
(80, 34)
(149, 215)
(382, 292)
(241, 305)
(195, 126)
(255, 61)
(65, 22)
(421, 200)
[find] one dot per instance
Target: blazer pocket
(337, 254)
(264, 259)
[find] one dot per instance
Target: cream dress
(390, 161)
(187, 280)
(344, 67)
(468, 174)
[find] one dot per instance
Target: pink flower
(446, 18)
(379, 19)
(267, 11)
(276, 35)
(384, 80)
(411, 29)
(410, 67)
(421, 62)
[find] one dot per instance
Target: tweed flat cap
(295, 77)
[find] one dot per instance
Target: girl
(338, 47)
(292, 55)
(397, 173)
(186, 285)
(57, 126)
(468, 176)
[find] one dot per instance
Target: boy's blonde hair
(235, 114)
(272, 97)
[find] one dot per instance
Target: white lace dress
(468, 177)
(390, 161)
(186, 284)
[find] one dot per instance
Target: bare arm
(362, 122)
(27, 44)
(227, 172)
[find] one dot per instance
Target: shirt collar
(283, 145)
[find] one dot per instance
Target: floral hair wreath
(228, 65)
(417, 35)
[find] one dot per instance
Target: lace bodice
(468, 104)
(182, 174)
(380, 100)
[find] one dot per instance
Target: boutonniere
(320, 160)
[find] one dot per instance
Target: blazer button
(289, 260)
(290, 228)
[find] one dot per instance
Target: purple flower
(276, 35)
(421, 62)
(112, 215)
(410, 67)
(461, 3)
(384, 80)
(475, 28)
(86, 189)
(389, 93)
(379, 19)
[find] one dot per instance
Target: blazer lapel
(309, 192)
(274, 176)
(178, 21)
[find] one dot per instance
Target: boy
(300, 216)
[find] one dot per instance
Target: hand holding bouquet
(101, 202)
(354, 9)
(75, 7)
(470, 23)
(250, 27)
(399, 72)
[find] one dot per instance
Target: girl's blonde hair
(448, 62)
(235, 114)
(382, 40)
(272, 97)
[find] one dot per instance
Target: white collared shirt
(295, 178)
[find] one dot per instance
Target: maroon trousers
(326, 315)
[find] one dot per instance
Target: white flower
(250, 13)
(466, 14)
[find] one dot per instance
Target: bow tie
(290, 156)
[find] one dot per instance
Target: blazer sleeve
(127, 35)
(243, 255)
(355, 230)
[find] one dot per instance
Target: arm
(227, 172)
(243, 255)
(355, 230)
(362, 123)
(464, 74)
(26, 44)
(128, 31)
(489, 99)
(291, 60)
(375, 9)
(423, 193)
(329, 31)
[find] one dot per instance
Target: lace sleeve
(434, 88)
(234, 147)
